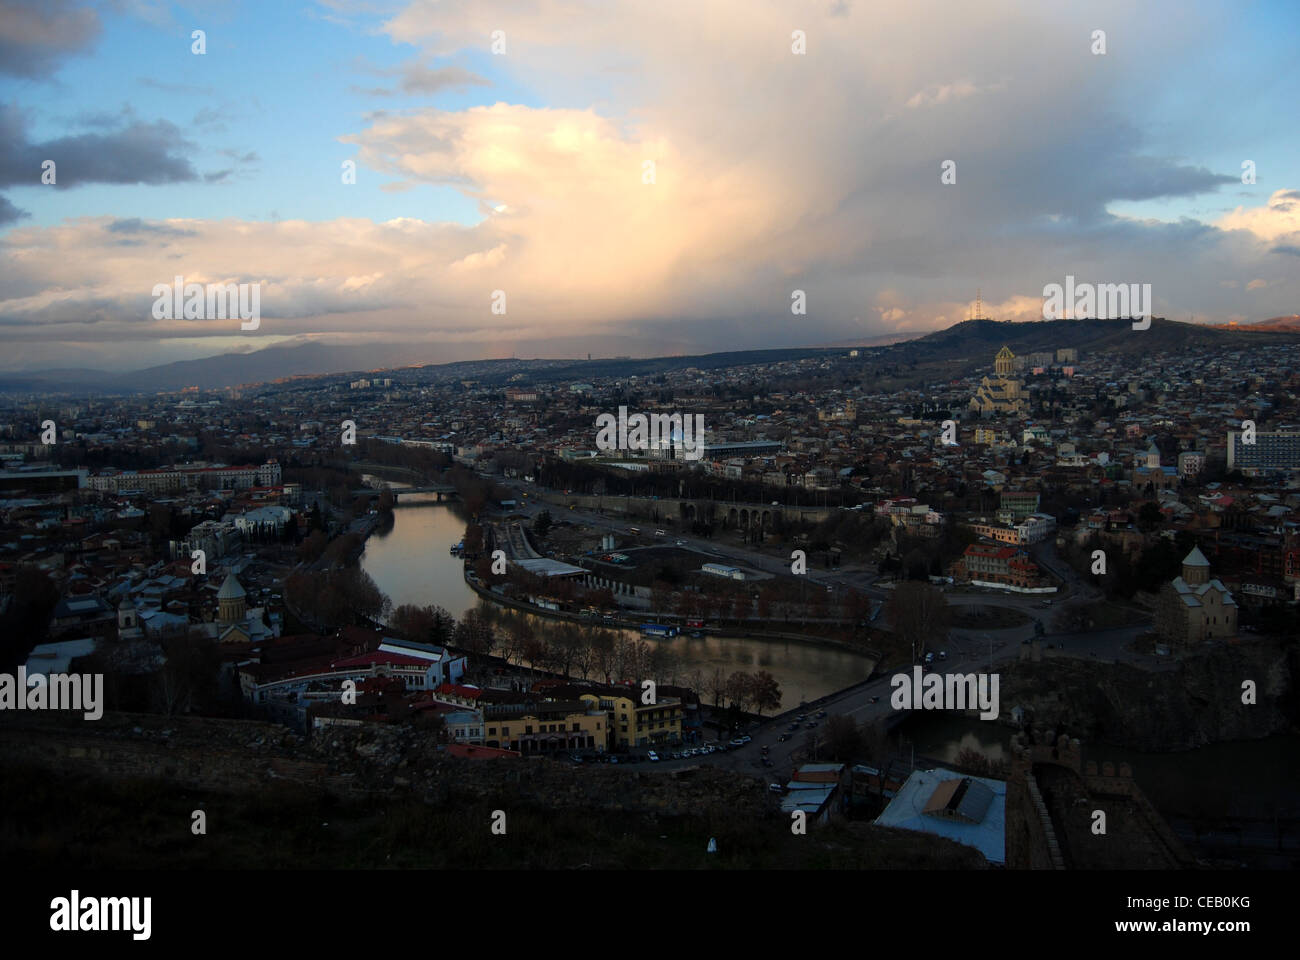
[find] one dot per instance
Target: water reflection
(410, 562)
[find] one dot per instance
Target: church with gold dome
(1002, 393)
(235, 622)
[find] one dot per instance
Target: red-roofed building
(994, 563)
(458, 694)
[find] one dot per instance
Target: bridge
(443, 490)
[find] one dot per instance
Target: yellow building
(1002, 393)
(634, 724)
(547, 726)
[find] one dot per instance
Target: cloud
(942, 93)
(136, 225)
(188, 89)
(138, 152)
(9, 213)
(772, 172)
(36, 35)
(417, 78)
(1278, 218)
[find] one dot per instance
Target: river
(1249, 779)
(410, 562)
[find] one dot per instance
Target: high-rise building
(1272, 450)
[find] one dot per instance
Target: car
(659, 533)
(652, 757)
(767, 762)
(943, 654)
(576, 759)
(746, 738)
(613, 759)
(801, 718)
(821, 715)
(775, 787)
(681, 543)
(812, 724)
(794, 727)
(765, 748)
(697, 634)
(737, 742)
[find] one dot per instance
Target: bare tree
(920, 614)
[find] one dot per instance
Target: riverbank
(621, 624)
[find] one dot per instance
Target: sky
(635, 178)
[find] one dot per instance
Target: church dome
(230, 589)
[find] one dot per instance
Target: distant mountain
(979, 340)
(1259, 326)
(966, 345)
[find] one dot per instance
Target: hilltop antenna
(979, 305)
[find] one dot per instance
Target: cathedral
(1195, 607)
(1002, 393)
(235, 623)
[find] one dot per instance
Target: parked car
(943, 654)
(775, 787)
(765, 748)
(653, 757)
(746, 738)
(812, 724)
(737, 742)
(801, 718)
(822, 715)
(783, 738)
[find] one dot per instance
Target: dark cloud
(138, 152)
(9, 213)
(1287, 249)
(35, 35)
(136, 225)
(218, 176)
(417, 78)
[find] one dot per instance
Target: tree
(843, 740)
(740, 687)
(1150, 516)
(920, 614)
(765, 691)
(542, 523)
(717, 685)
(187, 679)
